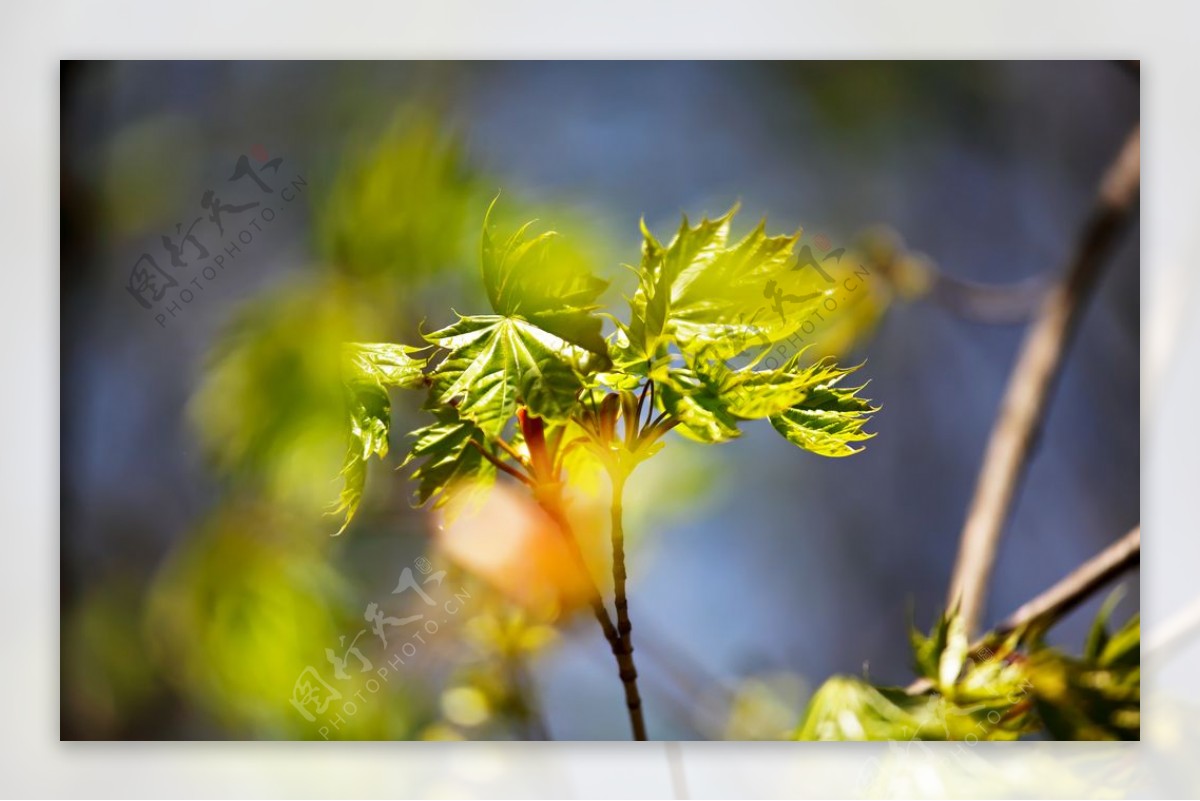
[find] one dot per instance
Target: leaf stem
(650, 410)
(647, 387)
(501, 465)
(511, 451)
(548, 493)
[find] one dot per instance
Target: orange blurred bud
(505, 538)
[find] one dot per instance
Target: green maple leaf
(523, 279)
(382, 364)
(541, 348)
(941, 656)
(538, 347)
(699, 399)
(700, 293)
(804, 404)
(700, 301)
(447, 456)
(368, 371)
(1096, 697)
(848, 708)
(830, 419)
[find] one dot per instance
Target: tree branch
(1075, 588)
(1030, 385)
(997, 304)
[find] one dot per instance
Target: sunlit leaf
(828, 421)
(529, 278)
(495, 364)
(698, 292)
(846, 708)
(699, 397)
(1097, 697)
(927, 650)
(535, 350)
(384, 364)
(1007, 685)
(368, 371)
(446, 456)
(710, 398)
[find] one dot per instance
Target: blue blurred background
(198, 571)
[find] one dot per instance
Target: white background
(35, 35)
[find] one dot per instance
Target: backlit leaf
(829, 420)
(698, 292)
(447, 456)
(804, 404)
(847, 708)
(526, 277)
(495, 364)
(368, 371)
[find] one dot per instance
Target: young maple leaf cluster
(541, 357)
(1008, 686)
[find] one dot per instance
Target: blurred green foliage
(397, 209)
(490, 694)
(270, 409)
(1009, 686)
(254, 596)
(866, 279)
(238, 612)
(150, 169)
(1097, 696)
(108, 678)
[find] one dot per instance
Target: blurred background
(201, 438)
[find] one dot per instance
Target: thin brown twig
(624, 656)
(1030, 386)
(1075, 588)
(999, 304)
(548, 496)
(1065, 595)
(621, 602)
